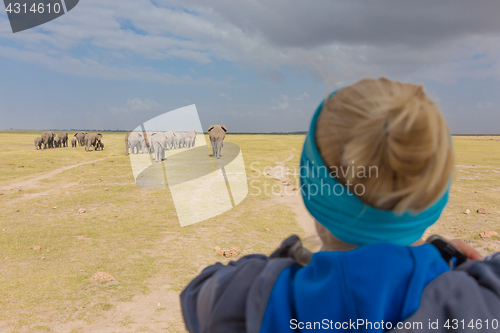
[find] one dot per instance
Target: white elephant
(159, 142)
(137, 143)
(170, 139)
(190, 140)
(176, 141)
(149, 146)
(182, 139)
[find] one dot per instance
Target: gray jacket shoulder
(233, 297)
(464, 299)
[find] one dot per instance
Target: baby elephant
(73, 142)
(38, 143)
(99, 145)
(58, 142)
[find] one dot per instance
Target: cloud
(137, 105)
(487, 105)
(302, 97)
(87, 67)
(283, 105)
(357, 22)
(333, 40)
(226, 96)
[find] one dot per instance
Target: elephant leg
(218, 146)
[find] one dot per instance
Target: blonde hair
(395, 128)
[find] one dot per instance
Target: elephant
(190, 139)
(147, 136)
(182, 139)
(170, 139)
(99, 146)
(127, 145)
(175, 142)
(38, 143)
(48, 139)
(80, 136)
(159, 141)
(64, 136)
(217, 133)
(73, 142)
(91, 140)
(178, 141)
(136, 143)
(58, 141)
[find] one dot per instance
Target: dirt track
(32, 181)
(293, 199)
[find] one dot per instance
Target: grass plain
(134, 234)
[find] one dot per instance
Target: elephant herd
(157, 143)
(48, 139)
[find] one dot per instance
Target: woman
(375, 174)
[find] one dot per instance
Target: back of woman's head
(393, 137)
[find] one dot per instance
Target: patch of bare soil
(158, 311)
(291, 196)
(51, 191)
(30, 182)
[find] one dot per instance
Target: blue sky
(254, 66)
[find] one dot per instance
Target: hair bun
(394, 130)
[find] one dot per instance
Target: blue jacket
(372, 288)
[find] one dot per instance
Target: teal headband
(349, 219)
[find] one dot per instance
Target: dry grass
(476, 184)
(134, 234)
(127, 231)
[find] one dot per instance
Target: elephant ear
(76, 134)
(211, 127)
(223, 127)
(99, 136)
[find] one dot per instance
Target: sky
(252, 65)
